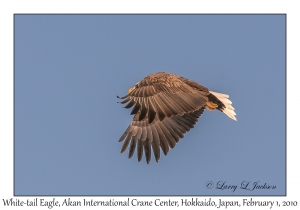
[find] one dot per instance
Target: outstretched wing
(165, 107)
(162, 134)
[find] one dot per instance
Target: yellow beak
(130, 90)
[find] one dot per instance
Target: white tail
(229, 110)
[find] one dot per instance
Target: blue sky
(69, 69)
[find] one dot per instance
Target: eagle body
(165, 107)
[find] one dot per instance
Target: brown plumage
(165, 107)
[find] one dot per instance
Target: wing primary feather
(130, 104)
(169, 133)
(155, 143)
(144, 134)
(134, 130)
(182, 122)
(173, 130)
(124, 134)
(125, 101)
(143, 110)
(123, 96)
(126, 142)
(161, 114)
(151, 112)
(147, 148)
(177, 128)
(190, 118)
(136, 108)
(139, 133)
(163, 141)
(155, 106)
(132, 147)
(149, 134)
(140, 150)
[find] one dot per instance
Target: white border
(8, 8)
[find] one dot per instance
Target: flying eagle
(165, 107)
